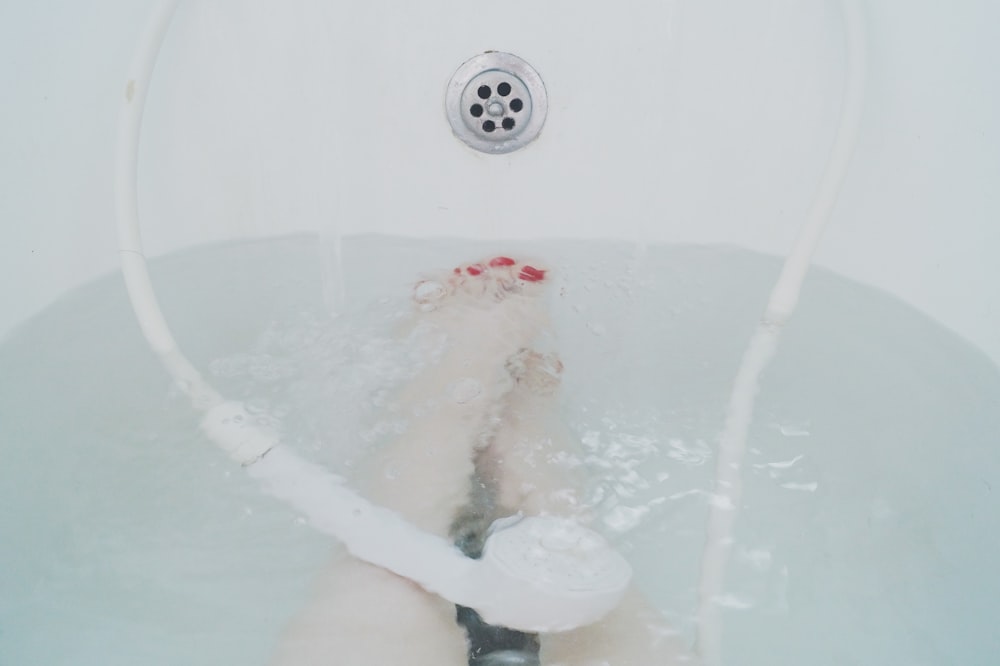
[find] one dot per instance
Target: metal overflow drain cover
(496, 103)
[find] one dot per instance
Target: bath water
(870, 529)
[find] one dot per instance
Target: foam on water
(869, 528)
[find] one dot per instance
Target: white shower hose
(536, 574)
(728, 490)
(506, 591)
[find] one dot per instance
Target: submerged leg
(532, 462)
(362, 615)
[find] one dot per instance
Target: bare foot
(478, 284)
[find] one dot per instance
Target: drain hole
(489, 126)
(476, 110)
(503, 89)
(516, 105)
(508, 123)
(484, 92)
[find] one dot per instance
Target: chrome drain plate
(496, 103)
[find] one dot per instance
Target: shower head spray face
(549, 574)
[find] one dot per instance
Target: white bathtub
(670, 123)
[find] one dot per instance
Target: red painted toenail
(457, 271)
(475, 269)
(501, 261)
(532, 274)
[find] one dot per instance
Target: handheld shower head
(537, 574)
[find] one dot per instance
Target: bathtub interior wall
(670, 121)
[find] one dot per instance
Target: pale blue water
(870, 529)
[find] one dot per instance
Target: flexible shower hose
(313, 491)
(728, 487)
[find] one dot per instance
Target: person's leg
(362, 615)
(532, 462)
(535, 464)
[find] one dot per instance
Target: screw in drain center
(496, 103)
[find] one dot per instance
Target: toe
(428, 291)
(531, 274)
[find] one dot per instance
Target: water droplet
(783, 464)
(758, 558)
(792, 429)
(806, 487)
(733, 602)
(597, 329)
(624, 518)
